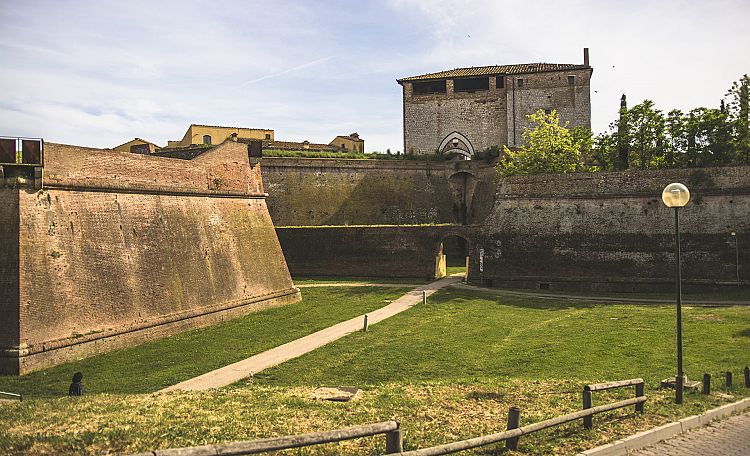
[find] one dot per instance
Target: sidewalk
(729, 437)
(241, 369)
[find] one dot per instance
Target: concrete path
(239, 370)
(730, 437)
(357, 284)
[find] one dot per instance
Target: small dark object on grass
(76, 388)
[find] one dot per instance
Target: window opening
(471, 84)
(426, 87)
(206, 139)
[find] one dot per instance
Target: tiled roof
(350, 138)
(523, 68)
(291, 145)
(233, 128)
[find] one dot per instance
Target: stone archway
(456, 143)
(453, 256)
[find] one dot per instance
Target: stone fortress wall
(117, 248)
(600, 231)
(611, 231)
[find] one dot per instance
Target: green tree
(738, 111)
(646, 136)
(549, 148)
(623, 136)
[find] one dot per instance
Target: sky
(99, 73)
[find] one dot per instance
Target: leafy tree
(549, 148)
(623, 136)
(646, 140)
(738, 111)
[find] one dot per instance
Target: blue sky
(99, 73)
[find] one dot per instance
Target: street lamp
(736, 256)
(676, 196)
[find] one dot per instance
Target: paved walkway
(729, 437)
(239, 370)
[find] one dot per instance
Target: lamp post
(676, 196)
(736, 256)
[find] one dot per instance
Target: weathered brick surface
(612, 231)
(367, 251)
(313, 192)
(223, 170)
(9, 280)
(497, 116)
(122, 247)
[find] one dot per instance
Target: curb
(667, 431)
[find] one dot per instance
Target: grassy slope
(464, 334)
(446, 371)
(158, 364)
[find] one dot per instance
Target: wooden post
(514, 422)
(706, 383)
(747, 377)
(588, 421)
(365, 323)
(639, 392)
(729, 379)
(394, 441)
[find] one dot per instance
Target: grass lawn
(164, 362)
(447, 371)
(724, 294)
(322, 279)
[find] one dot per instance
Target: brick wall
(313, 192)
(496, 116)
(366, 251)
(118, 248)
(612, 231)
(9, 280)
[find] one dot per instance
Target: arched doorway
(452, 257)
(457, 145)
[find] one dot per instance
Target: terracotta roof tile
(523, 68)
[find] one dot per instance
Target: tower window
(571, 80)
(471, 84)
(268, 135)
(425, 87)
(206, 139)
(519, 82)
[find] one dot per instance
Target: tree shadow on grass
(744, 333)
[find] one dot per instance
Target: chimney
(585, 56)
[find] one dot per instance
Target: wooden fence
(391, 429)
(4, 395)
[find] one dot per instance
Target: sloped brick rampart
(118, 248)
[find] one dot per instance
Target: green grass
(725, 294)
(164, 362)
(388, 280)
(448, 370)
(462, 335)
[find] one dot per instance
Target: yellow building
(128, 146)
(210, 134)
(350, 143)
